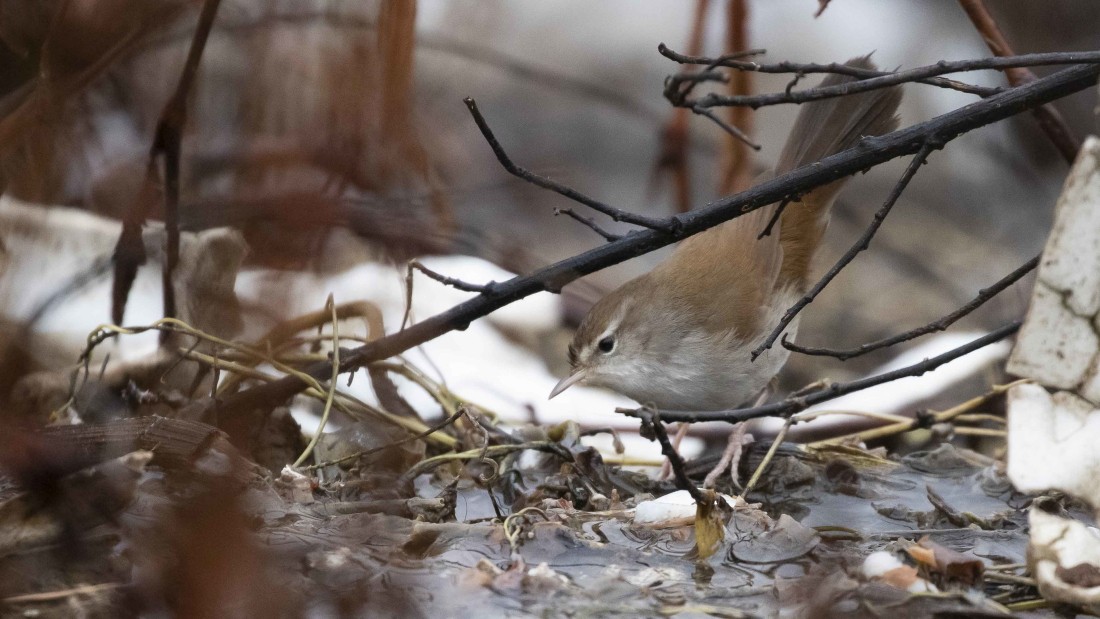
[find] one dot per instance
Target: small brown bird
(680, 336)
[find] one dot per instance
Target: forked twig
(547, 183)
(863, 243)
(985, 294)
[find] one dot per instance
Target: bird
(680, 337)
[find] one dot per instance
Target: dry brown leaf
(710, 526)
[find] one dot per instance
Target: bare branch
(941, 324)
(800, 70)
(546, 183)
(873, 79)
(796, 404)
(736, 167)
(734, 132)
(870, 152)
(673, 155)
(1050, 120)
(863, 243)
(451, 281)
(166, 144)
(651, 423)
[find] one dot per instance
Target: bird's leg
(731, 455)
(681, 432)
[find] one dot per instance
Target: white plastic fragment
(295, 486)
(1059, 342)
(653, 575)
(542, 579)
(671, 510)
(1052, 438)
(1064, 557)
(1052, 442)
(878, 563)
(885, 566)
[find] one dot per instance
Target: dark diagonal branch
(792, 405)
(863, 243)
(651, 423)
(546, 183)
(167, 140)
(1049, 119)
(942, 324)
(869, 152)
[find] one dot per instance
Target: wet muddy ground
(551, 532)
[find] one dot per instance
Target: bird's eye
(606, 344)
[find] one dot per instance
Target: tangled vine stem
(868, 153)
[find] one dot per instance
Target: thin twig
(990, 432)
(1048, 117)
(330, 395)
(167, 142)
(681, 431)
(728, 128)
(870, 152)
(451, 281)
(50, 596)
(311, 385)
(940, 324)
(408, 439)
(882, 80)
(775, 218)
(651, 421)
(588, 222)
(763, 466)
(863, 243)
(547, 183)
(676, 134)
(792, 405)
(922, 420)
(799, 70)
(489, 451)
(736, 159)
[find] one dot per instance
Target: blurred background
(333, 134)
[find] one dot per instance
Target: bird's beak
(567, 382)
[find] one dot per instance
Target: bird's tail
(823, 128)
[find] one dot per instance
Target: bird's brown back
(721, 258)
(824, 128)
